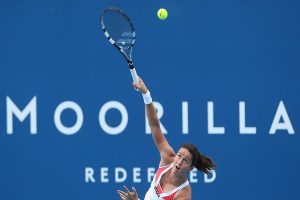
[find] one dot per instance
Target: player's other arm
(166, 151)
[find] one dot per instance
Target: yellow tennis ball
(162, 14)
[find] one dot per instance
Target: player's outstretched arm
(166, 151)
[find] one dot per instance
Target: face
(182, 162)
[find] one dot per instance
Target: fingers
(140, 80)
(122, 192)
(135, 85)
(139, 84)
(134, 191)
(126, 195)
(126, 189)
(122, 195)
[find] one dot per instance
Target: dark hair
(200, 161)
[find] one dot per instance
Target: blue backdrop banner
(224, 75)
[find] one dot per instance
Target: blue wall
(223, 52)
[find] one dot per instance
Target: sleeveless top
(155, 191)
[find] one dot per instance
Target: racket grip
(134, 75)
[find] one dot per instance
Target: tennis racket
(120, 32)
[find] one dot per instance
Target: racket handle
(133, 73)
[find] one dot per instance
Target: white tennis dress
(155, 191)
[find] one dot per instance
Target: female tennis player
(170, 181)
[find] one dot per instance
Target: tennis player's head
(188, 157)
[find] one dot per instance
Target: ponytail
(200, 161)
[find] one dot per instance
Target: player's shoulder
(184, 194)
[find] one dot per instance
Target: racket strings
(118, 28)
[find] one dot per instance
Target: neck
(176, 178)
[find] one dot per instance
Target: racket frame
(127, 56)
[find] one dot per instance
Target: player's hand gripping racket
(120, 32)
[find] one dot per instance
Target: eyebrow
(186, 157)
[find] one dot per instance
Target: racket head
(119, 30)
